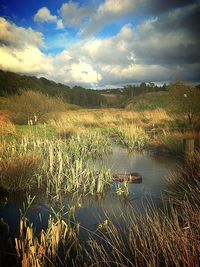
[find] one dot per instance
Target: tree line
(13, 84)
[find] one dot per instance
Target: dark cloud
(160, 6)
(187, 19)
(173, 38)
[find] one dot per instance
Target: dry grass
(6, 127)
(185, 182)
(152, 240)
(157, 116)
(18, 173)
(46, 250)
(108, 118)
(76, 121)
(132, 136)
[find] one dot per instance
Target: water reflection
(91, 210)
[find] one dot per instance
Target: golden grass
(6, 127)
(132, 136)
(37, 252)
(157, 116)
(18, 173)
(108, 118)
(153, 239)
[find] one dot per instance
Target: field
(51, 159)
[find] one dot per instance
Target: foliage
(184, 101)
(131, 91)
(12, 83)
(148, 101)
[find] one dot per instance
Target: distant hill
(13, 83)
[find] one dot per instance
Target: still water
(92, 209)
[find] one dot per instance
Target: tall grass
(53, 247)
(152, 240)
(132, 137)
(18, 173)
(61, 165)
(6, 127)
(184, 184)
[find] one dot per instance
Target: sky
(101, 43)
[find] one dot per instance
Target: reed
(52, 247)
(154, 239)
(184, 184)
(63, 167)
(132, 137)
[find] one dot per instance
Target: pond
(91, 209)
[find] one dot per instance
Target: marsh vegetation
(61, 164)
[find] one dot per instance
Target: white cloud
(20, 49)
(155, 50)
(73, 15)
(59, 24)
(44, 15)
(73, 69)
(110, 51)
(106, 13)
(28, 60)
(12, 35)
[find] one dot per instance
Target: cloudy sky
(101, 43)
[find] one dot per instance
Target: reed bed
(60, 167)
(52, 247)
(155, 238)
(132, 137)
(63, 163)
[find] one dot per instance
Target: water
(153, 170)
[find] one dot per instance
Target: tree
(184, 100)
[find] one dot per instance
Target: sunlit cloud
(160, 47)
(44, 15)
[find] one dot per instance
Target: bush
(184, 102)
(33, 107)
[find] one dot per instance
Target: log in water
(133, 177)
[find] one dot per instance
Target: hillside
(149, 101)
(12, 83)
